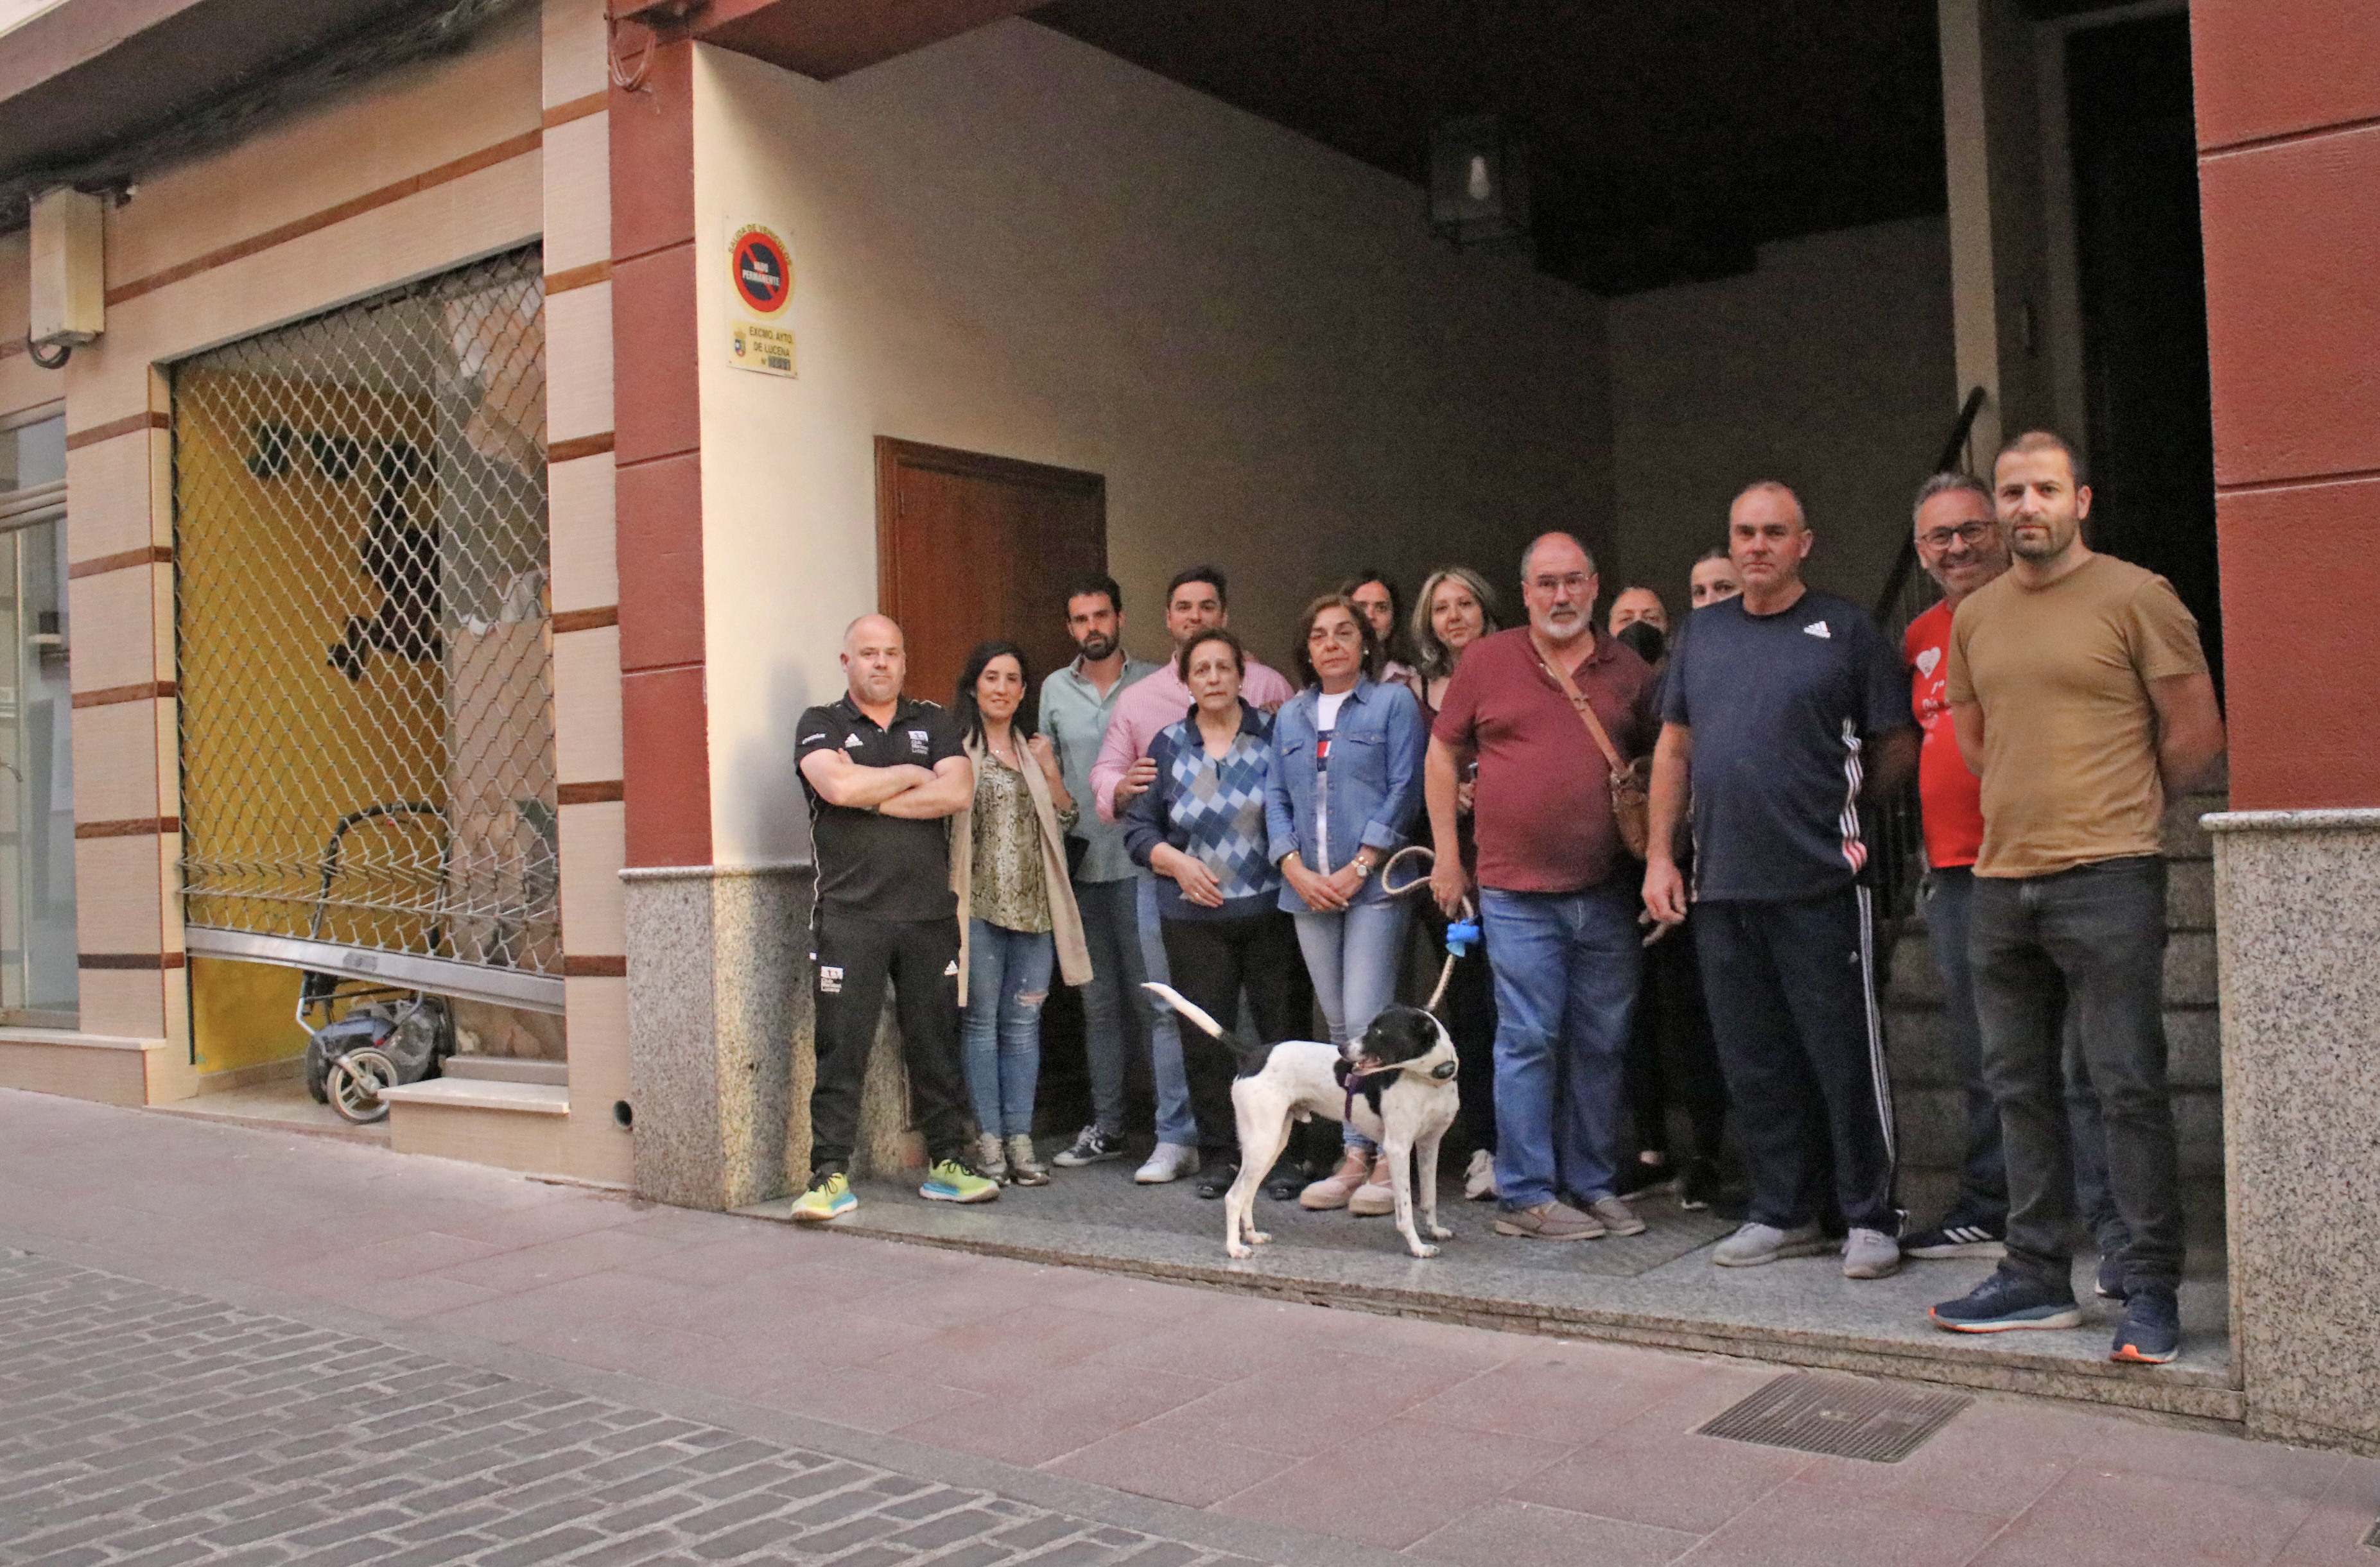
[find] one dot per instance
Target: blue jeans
(1115, 1006)
(1175, 1124)
(1008, 978)
(1566, 966)
(1352, 955)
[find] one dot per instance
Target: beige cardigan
(1065, 920)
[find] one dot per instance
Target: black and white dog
(1396, 1084)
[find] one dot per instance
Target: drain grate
(1844, 1417)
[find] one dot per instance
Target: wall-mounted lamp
(1478, 181)
(69, 284)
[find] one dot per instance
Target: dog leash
(1460, 935)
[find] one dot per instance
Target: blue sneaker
(2007, 1301)
(2151, 1331)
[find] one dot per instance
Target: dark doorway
(970, 547)
(2151, 433)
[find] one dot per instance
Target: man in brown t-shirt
(2081, 699)
(1557, 890)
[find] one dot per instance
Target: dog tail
(1204, 1021)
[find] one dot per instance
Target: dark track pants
(1792, 992)
(854, 958)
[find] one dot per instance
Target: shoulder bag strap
(1578, 700)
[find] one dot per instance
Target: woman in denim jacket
(1345, 787)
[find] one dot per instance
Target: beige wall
(1829, 368)
(1016, 244)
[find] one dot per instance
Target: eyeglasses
(1340, 633)
(1571, 582)
(1970, 534)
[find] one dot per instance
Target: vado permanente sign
(760, 267)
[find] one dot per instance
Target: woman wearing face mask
(1375, 597)
(1456, 608)
(1345, 789)
(1016, 905)
(1201, 828)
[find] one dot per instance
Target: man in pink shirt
(1194, 599)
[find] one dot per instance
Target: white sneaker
(989, 1161)
(1871, 1254)
(1754, 1245)
(1479, 1181)
(1168, 1162)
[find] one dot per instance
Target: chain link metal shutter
(365, 646)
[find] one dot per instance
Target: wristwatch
(1363, 867)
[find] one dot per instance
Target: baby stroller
(363, 1036)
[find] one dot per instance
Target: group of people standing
(1208, 823)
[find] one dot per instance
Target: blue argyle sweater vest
(1217, 810)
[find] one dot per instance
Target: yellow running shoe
(830, 1196)
(949, 1181)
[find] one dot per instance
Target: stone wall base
(2297, 921)
(720, 1042)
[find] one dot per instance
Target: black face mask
(1644, 639)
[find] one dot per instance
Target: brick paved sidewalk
(1196, 1422)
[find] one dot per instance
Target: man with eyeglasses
(1557, 889)
(1961, 547)
(1787, 708)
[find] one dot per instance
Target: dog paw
(1260, 1237)
(1425, 1252)
(1239, 1251)
(1441, 1233)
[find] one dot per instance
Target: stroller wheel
(354, 1083)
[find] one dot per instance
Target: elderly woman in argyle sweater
(1201, 829)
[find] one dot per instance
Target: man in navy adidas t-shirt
(1786, 706)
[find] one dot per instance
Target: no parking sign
(764, 270)
(761, 268)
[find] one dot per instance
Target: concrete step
(1917, 1042)
(2188, 972)
(507, 1069)
(1931, 1124)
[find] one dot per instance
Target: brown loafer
(1548, 1222)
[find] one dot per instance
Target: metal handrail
(1897, 840)
(1954, 451)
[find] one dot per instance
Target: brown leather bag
(1632, 783)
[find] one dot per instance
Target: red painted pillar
(2288, 128)
(663, 714)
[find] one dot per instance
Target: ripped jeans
(1008, 978)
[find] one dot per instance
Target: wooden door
(970, 547)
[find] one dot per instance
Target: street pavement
(224, 1345)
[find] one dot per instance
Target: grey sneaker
(1025, 1168)
(989, 1161)
(1617, 1217)
(1871, 1254)
(1548, 1222)
(1168, 1162)
(1756, 1244)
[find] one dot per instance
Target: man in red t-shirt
(1557, 889)
(1962, 547)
